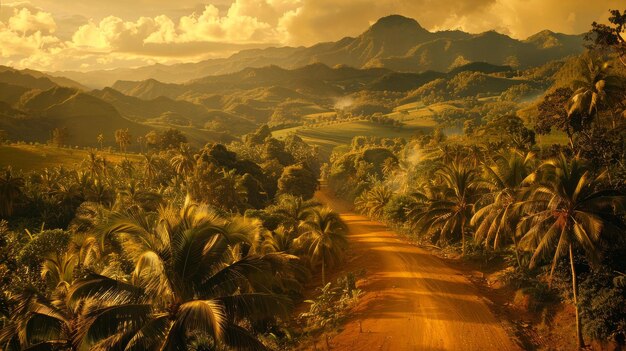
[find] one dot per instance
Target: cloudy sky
(86, 35)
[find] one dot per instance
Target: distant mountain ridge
(394, 42)
(32, 104)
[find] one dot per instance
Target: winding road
(411, 299)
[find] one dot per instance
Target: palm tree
(184, 161)
(10, 192)
(40, 321)
(324, 237)
(449, 214)
(94, 164)
(281, 239)
(45, 319)
(150, 168)
(389, 166)
(294, 208)
(135, 195)
(373, 201)
(188, 286)
(476, 154)
(568, 215)
(596, 88)
(101, 140)
(505, 181)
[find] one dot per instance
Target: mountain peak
(396, 22)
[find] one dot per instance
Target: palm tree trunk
(519, 263)
(463, 236)
(579, 334)
(323, 271)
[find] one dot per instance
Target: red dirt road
(412, 300)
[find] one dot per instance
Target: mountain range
(394, 42)
(216, 100)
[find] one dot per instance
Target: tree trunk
(463, 236)
(519, 263)
(323, 271)
(579, 333)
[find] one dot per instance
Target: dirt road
(412, 300)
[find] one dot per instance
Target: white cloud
(26, 22)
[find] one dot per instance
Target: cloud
(324, 20)
(26, 33)
(26, 22)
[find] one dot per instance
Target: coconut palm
(150, 168)
(94, 164)
(282, 239)
(40, 321)
(135, 195)
(100, 139)
(373, 201)
(324, 237)
(188, 286)
(505, 181)
(389, 166)
(449, 214)
(569, 215)
(294, 208)
(58, 270)
(184, 161)
(597, 88)
(10, 192)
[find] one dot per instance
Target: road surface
(412, 300)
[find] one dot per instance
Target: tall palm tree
(568, 214)
(10, 192)
(100, 139)
(150, 168)
(450, 213)
(505, 181)
(187, 286)
(597, 87)
(324, 237)
(94, 164)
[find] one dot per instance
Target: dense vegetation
(194, 249)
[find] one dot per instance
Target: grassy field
(552, 138)
(330, 136)
(417, 115)
(36, 157)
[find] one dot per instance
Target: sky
(84, 35)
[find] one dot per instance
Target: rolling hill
(32, 106)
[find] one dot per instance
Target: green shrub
(602, 305)
(395, 209)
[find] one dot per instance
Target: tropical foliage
(185, 249)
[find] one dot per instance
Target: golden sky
(56, 35)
